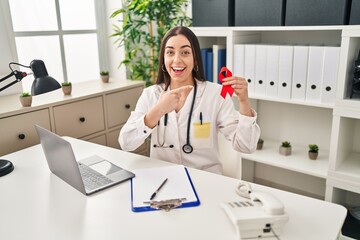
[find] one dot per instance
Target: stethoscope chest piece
(187, 148)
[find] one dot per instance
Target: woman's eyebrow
(184, 46)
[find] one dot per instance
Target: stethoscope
(187, 148)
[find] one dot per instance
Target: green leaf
(133, 32)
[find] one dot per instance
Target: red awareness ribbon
(225, 73)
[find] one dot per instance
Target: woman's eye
(185, 52)
(169, 52)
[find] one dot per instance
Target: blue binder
(178, 186)
(204, 56)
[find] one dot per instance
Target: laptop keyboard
(92, 179)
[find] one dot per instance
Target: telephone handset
(259, 215)
(270, 204)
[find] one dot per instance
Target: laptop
(87, 175)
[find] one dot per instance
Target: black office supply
(354, 13)
(355, 86)
(259, 12)
(212, 13)
(158, 189)
(5, 167)
(319, 12)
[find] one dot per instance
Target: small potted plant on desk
(285, 148)
(104, 74)
(26, 99)
(66, 87)
(313, 151)
(260, 144)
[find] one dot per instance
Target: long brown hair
(197, 72)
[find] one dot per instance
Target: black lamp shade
(43, 83)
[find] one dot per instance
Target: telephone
(261, 215)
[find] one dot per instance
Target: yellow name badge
(201, 130)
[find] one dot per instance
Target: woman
(184, 113)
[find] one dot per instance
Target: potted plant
(313, 151)
(104, 74)
(140, 32)
(260, 144)
(26, 99)
(66, 87)
(285, 148)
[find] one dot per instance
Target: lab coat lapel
(184, 112)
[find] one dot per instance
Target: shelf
(290, 101)
(334, 126)
(348, 171)
(222, 30)
(298, 161)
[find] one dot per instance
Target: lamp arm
(7, 76)
(19, 76)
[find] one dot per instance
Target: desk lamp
(42, 83)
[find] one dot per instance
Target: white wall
(7, 50)
(116, 54)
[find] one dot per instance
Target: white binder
(260, 70)
(272, 70)
(315, 72)
(285, 71)
(239, 60)
(250, 67)
(216, 60)
(330, 72)
(300, 67)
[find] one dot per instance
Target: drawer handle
(21, 136)
(82, 119)
(127, 106)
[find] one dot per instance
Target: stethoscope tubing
(187, 148)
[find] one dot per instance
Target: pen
(157, 190)
(200, 118)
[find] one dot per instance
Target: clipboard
(178, 188)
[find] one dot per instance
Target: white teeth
(178, 69)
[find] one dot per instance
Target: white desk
(35, 204)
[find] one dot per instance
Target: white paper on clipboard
(178, 185)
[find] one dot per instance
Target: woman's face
(179, 61)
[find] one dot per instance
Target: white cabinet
(18, 132)
(94, 112)
(334, 127)
(81, 118)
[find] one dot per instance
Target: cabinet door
(120, 105)
(79, 119)
(18, 132)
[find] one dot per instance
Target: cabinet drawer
(18, 132)
(120, 105)
(98, 139)
(79, 119)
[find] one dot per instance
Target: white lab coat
(217, 113)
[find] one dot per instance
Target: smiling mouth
(177, 69)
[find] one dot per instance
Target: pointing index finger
(182, 89)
